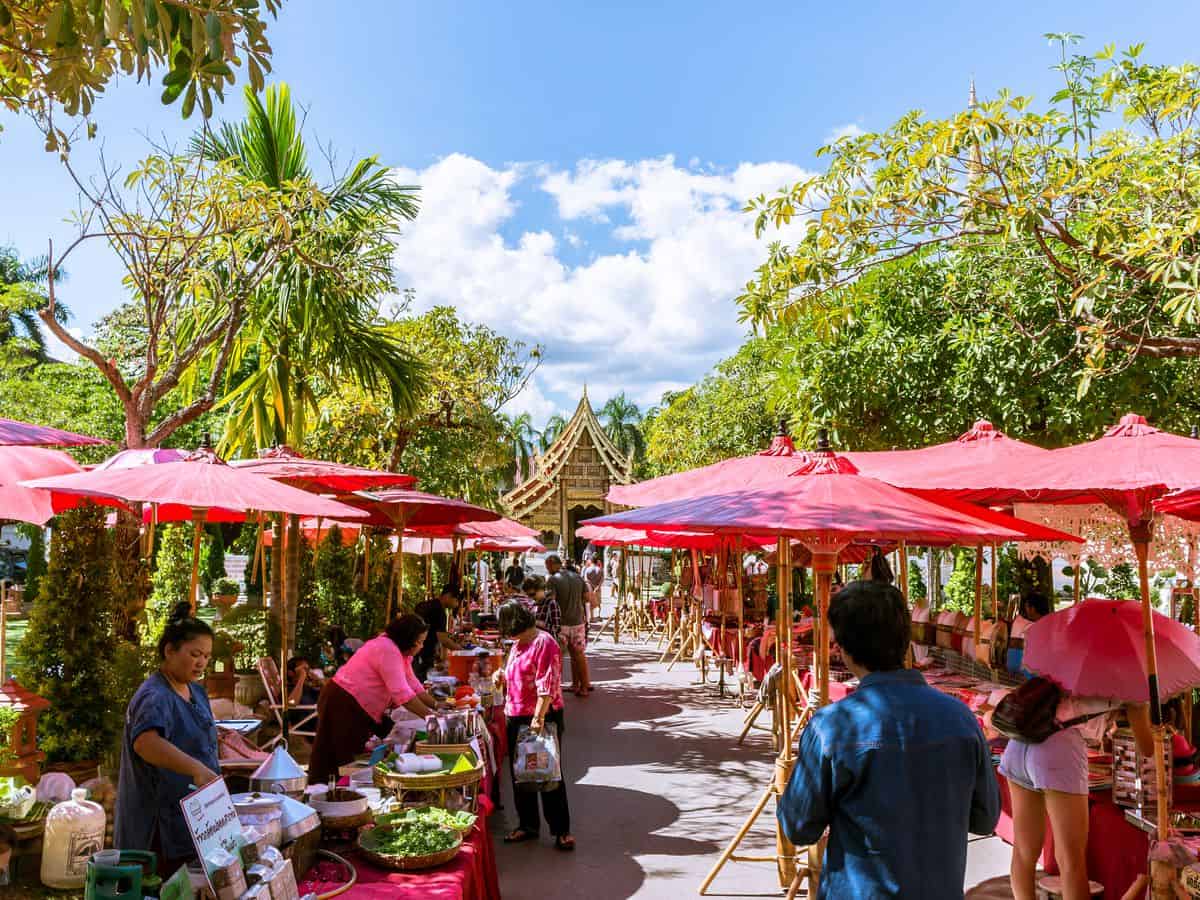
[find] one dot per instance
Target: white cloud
(850, 130)
(652, 313)
(56, 349)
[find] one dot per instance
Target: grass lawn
(16, 631)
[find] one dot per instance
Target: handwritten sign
(213, 823)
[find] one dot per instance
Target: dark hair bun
(181, 612)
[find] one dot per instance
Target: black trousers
(554, 803)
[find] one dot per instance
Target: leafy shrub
(917, 589)
(171, 581)
(213, 569)
(225, 586)
(250, 638)
(68, 650)
(35, 564)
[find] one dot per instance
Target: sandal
(564, 842)
(520, 836)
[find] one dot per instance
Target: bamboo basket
(433, 789)
(406, 863)
(426, 747)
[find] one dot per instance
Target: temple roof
(13, 695)
(526, 497)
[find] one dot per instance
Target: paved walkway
(658, 786)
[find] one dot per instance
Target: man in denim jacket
(898, 772)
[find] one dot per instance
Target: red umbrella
(738, 474)
(1127, 469)
(417, 511)
(961, 465)
(495, 528)
(1097, 649)
(319, 476)
(22, 434)
(23, 504)
(130, 459)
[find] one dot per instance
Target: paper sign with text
(213, 822)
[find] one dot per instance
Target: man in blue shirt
(898, 772)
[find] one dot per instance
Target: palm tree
(519, 434)
(22, 293)
(555, 426)
(316, 321)
(623, 425)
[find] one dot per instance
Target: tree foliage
(67, 51)
(1093, 196)
(623, 423)
(68, 650)
(171, 581)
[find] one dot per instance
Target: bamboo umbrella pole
(1075, 591)
(978, 597)
(197, 532)
(429, 573)
(258, 553)
(995, 584)
(824, 563)
(621, 579)
(741, 594)
(1162, 817)
(783, 764)
(281, 549)
(3, 626)
(902, 565)
(366, 582)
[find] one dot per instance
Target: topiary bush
(917, 589)
(171, 581)
(68, 651)
(35, 563)
(213, 569)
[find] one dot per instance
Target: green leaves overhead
(66, 52)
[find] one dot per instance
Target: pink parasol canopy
(962, 465)
(131, 459)
(496, 528)
(703, 541)
(825, 502)
(316, 475)
(201, 483)
(738, 474)
(23, 504)
(416, 511)
(1097, 649)
(23, 434)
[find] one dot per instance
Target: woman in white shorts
(1051, 779)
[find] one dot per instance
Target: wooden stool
(1049, 887)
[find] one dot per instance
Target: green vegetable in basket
(433, 815)
(411, 839)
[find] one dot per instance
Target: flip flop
(520, 836)
(565, 843)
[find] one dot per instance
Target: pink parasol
(23, 434)
(414, 511)
(1097, 649)
(737, 474)
(495, 528)
(23, 504)
(198, 484)
(319, 476)
(131, 459)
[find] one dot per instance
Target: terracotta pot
(249, 690)
(223, 603)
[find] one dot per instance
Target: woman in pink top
(533, 676)
(354, 703)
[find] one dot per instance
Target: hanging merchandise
(74, 831)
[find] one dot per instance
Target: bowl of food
(405, 846)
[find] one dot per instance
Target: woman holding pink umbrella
(1094, 652)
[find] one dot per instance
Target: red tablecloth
(1117, 850)
(471, 875)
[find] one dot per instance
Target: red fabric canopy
(418, 512)
(1127, 468)
(739, 474)
(496, 528)
(962, 465)
(130, 459)
(826, 502)
(316, 475)
(606, 536)
(23, 434)
(202, 482)
(23, 504)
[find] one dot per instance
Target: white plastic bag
(536, 763)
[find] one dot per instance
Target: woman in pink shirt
(353, 704)
(533, 676)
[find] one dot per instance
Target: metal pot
(298, 819)
(279, 774)
(339, 804)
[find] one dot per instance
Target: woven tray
(406, 863)
(426, 747)
(428, 782)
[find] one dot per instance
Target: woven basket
(399, 781)
(426, 747)
(406, 863)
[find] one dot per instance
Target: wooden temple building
(569, 481)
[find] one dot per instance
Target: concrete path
(657, 787)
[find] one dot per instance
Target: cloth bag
(536, 762)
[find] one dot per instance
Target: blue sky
(583, 164)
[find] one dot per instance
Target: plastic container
(74, 832)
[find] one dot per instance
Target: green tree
(623, 423)
(214, 557)
(68, 649)
(64, 395)
(35, 564)
(1093, 196)
(22, 294)
(917, 590)
(67, 52)
(520, 435)
(555, 425)
(315, 319)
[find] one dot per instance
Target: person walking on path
(897, 771)
(533, 676)
(567, 588)
(593, 575)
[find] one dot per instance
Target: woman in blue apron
(170, 745)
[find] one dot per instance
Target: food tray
(432, 781)
(406, 863)
(448, 749)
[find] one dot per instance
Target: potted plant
(224, 595)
